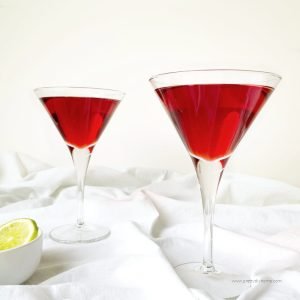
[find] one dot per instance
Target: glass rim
(216, 70)
(81, 88)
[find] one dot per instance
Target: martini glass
(212, 110)
(80, 115)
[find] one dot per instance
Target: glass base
(212, 281)
(73, 234)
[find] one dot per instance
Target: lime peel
(17, 232)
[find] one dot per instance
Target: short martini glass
(212, 110)
(80, 115)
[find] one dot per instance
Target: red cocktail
(212, 110)
(80, 115)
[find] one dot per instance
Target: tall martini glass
(212, 110)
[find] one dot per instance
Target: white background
(119, 45)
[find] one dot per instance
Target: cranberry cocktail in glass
(80, 115)
(212, 110)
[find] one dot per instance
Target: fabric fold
(155, 218)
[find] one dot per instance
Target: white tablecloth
(155, 218)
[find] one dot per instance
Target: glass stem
(209, 175)
(81, 158)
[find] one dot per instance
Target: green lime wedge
(17, 232)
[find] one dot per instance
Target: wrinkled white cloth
(156, 223)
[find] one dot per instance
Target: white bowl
(18, 264)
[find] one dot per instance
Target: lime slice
(17, 233)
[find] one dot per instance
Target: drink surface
(80, 120)
(212, 118)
